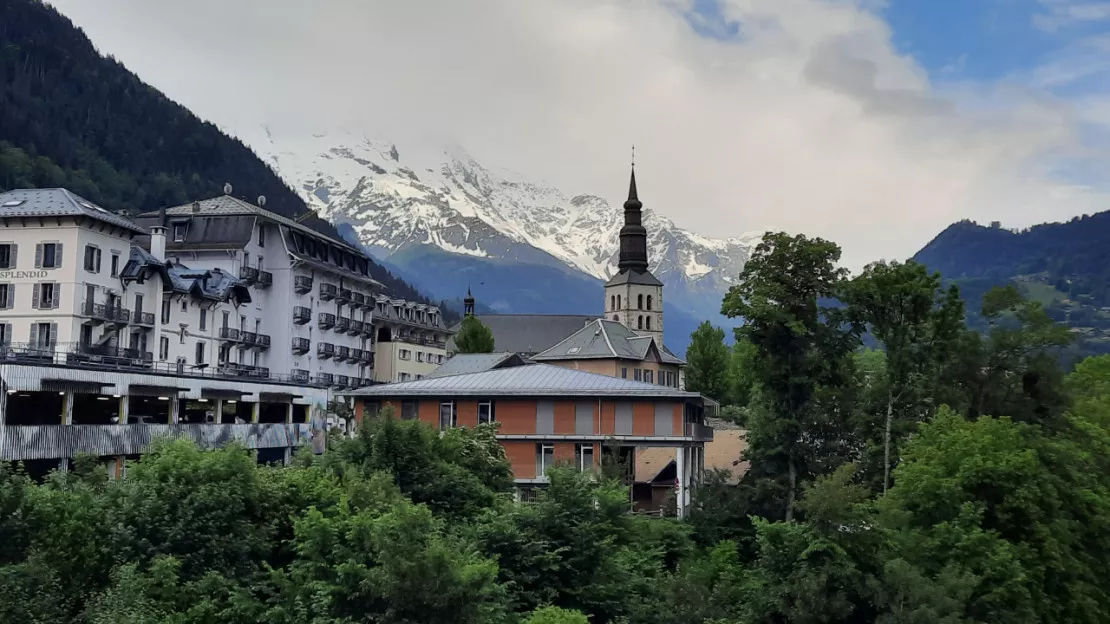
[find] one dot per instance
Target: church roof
(603, 339)
(527, 333)
(634, 277)
(462, 363)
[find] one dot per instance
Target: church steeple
(633, 252)
(468, 303)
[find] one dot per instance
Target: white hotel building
(216, 321)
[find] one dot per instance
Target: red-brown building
(549, 415)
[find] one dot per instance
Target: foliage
(474, 337)
(707, 360)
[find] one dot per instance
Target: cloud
(1060, 14)
(799, 115)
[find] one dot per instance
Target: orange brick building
(549, 415)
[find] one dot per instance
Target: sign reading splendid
(21, 274)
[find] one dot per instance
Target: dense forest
(948, 477)
(72, 118)
(1065, 266)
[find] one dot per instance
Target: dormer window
(179, 232)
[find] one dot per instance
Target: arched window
(618, 302)
(649, 318)
(640, 301)
(612, 302)
(640, 322)
(616, 317)
(649, 302)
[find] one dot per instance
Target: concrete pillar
(67, 408)
(219, 411)
(174, 405)
(289, 413)
(124, 409)
(680, 459)
(255, 408)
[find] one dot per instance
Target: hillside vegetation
(72, 118)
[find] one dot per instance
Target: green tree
(800, 356)
(916, 322)
(555, 615)
(474, 337)
(742, 378)
(707, 361)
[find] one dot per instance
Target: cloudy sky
(872, 123)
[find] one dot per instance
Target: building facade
(549, 415)
(411, 339)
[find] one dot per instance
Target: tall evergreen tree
(474, 337)
(707, 361)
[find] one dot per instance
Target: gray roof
(385, 313)
(57, 202)
(528, 333)
(604, 339)
(462, 363)
(533, 380)
(634, 277)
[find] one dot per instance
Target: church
(626, 341)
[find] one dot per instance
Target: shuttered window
(7, 255)
(48, 255)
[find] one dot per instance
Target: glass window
(200, 353)
(447, 415)
(163, 348)
(649, 376)
(7, 256)
(165, 310)
(409, 410)
(261, 236)
(584, 457)
(639, 375)
(485, 413)
(115, 265)
(50, 255)
(624, 373)
(203, 319)
(545, 459)
(179, 232)
(46, 295)
(5, 296)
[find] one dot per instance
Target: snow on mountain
(398, 196)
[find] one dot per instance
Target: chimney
(196, 206)
(158, 242)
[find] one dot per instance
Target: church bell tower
(634, 297)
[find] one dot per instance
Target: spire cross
(633, 154)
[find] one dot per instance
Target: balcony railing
(368, 329)
(229, 334)
(342, 324)
(328, 292)
(301, 345)
(342, 353)
(265, 278)
(325, 379)
(367, 357)
(700, 433)
(146, 319)
(300, 375)
(248, 274)
(344, 295)
(358, 299)
(356, 354)
(327, 320)
(302, 284)
(262, 341)
(118, 359)
(248, 339)
(342, 381)
(325, 350)
(105, 312)
(356, 327)
(301, 315)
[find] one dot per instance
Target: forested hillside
(1064, 266)
(72, 118)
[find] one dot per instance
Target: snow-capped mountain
(399, 198)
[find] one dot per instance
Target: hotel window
(203, 319)
(45, 296)
(448, 415)
(7, 298)
(618, 302)
(115, 264)
(612, 302)
(44, 335)
(7, 256)
(179, 232)
(485, 413)
(5, 333)
(545, 459)
(584, 456)
(165, 311)
(200, 353)
(404, 354)
(409, 410)
(649, 376)
(92, 259)
(48, 255)
(419, 356)
(163, 348)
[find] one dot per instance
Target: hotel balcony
(143, 319)
(368, 329)
(298, 375)
(344, 295)
(265, 279)
(356, 355)
(262, 341)
(229, 334)
(342, 381)
(301, 345)
(328, 292)
(327, 320)
(356, 327)
(103, 312)
(342, 353)
(367, 357)
(325, 350)
(247, 339)
(302, 284)
(342, 324)
(301, 315)
(325, 379)
(358, 299)
(248, 274)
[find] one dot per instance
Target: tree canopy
(474, 337)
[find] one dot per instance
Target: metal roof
(533, 380)
(528, 333)
(634, 277)
(462, 363)
(604, 339)
(58, 202)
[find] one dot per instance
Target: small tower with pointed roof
(634, 297)
(468, 303)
